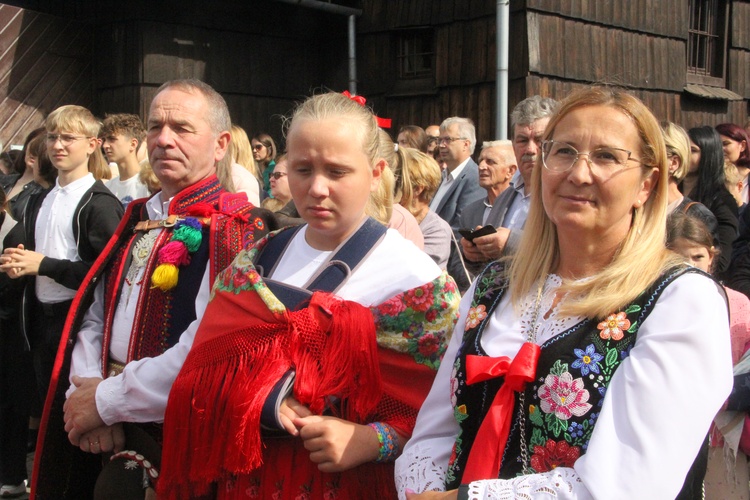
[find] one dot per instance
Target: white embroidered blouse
(656, 413)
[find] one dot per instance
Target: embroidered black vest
(563, 403)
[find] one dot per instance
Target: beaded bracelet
(388, 442)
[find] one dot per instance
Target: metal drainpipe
(501, 78)
(352, 34)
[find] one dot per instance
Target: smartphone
(470, 234)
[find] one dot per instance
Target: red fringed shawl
(248, 340)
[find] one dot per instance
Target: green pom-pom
(165, 277)
(190, 236)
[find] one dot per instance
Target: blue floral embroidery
(588, 360)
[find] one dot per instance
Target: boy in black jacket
(66, 229)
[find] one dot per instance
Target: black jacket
(94, 222)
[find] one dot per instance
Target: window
(415, 54)
(707, 42)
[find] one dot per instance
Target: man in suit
(508, 215)
(460, 184)
(459, 187)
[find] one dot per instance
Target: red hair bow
(382, 122)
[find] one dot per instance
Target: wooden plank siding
(678, 107)
(45, 61)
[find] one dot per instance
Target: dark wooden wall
(45, 61)
(640, 45)
(264, 55)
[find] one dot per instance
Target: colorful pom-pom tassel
(165, 277)
(191, 236)
(174, 252)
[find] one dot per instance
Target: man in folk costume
(132, 322)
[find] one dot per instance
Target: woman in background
(21, 186)
(706, 184)
(734, 142)
(420, 179)
(264, 153)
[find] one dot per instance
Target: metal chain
(522, 395)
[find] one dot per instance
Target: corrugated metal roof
(712, 92)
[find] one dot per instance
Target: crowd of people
(191, 312)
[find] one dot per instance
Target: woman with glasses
(575, 368)
(264, 153)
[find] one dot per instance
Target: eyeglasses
(603, 162)
(448, 140)
(65, 139)
(278, 175)
(258, 147)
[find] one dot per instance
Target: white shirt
(450, 177)
(378, 277)
(139, 393)
(127, 190)
(655, 415)
(54, 234)
(518, 211)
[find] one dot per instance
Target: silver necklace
(531, 337)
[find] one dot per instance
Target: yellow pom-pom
(164, 277)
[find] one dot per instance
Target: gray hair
(465, 129)
(532, 109)
(218, 112)
(506, 150)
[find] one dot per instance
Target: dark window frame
(708, 36)
(414, 60)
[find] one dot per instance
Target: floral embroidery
(421, 298)
(475, 316)
(588, 360)
(614, 326)
(554, 454)
(564, 396)
(419, 322)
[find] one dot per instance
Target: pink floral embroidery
(420, 299)
(554, 454)
(475, 316)
(428, 345)
(564, 396)
(392, 306)
(614, 326)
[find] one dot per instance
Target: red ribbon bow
(382, 122)
(489, 443)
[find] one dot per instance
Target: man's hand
(108, 438)
(17, 262)
(491, 246)
(81, 414)
(290, 410)
(337, 445)
(471, 252)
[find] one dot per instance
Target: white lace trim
(549, 323)
(562, 483)
(416, 470)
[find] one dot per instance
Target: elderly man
(460, 184)
(497, 164)
(508, 215)
(133, 320)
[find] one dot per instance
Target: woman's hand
(432, 495)
(290, 410)
(337, 445)
(108, 438)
